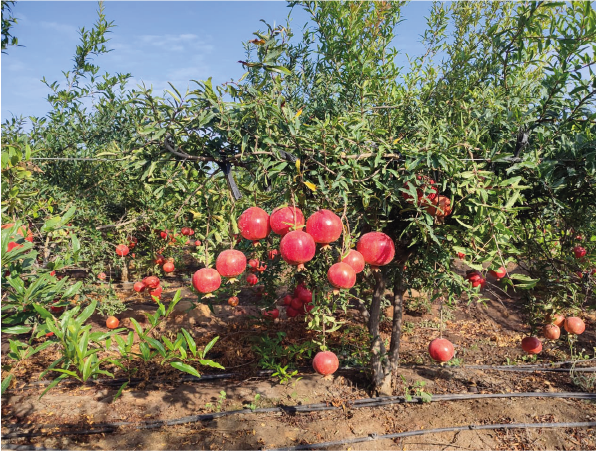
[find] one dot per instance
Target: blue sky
(155, 41)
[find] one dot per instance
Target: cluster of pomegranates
(477, 279)
(428, 196)
(167, 264)
(552, 331)
(151, 284)
(298, 303)
(297, 247)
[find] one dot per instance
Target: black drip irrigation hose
(265, 373)
(102, 428)
(471, 427)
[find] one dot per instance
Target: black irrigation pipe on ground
(263, 373)
(359, 403)
(471, 427)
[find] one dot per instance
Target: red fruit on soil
(574, 325)
(428, 184)
(441, 350)
(355, 260)
(499, 273)
(233, 301)
(557, 319)
(187, 231)
(579, 251)
(376, 248)
(440, 207)
(287, 300)
(296, 304)
(285, 219)
(297, 248)
(122, 250)
(112, 322)
(168, 267)
(206, 280)
(151, 281)
(531, 345)
(461, 255)
(251, 279)
(159, 259)
(156, 292)
(291, 312)
(197, 243)
(324, 226)
(341, 275)
(551, 332)
(139, 287)
(102, 276)
(325, 363)
(254, 224)
(271, 314)
(230, 263)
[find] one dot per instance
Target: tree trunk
(124, 270)
(398, 299)
(379, 381)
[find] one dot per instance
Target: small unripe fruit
(233, 301)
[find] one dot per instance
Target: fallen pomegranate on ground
(112, 322)
(531, 345)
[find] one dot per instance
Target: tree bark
(398, 298)
(378, 351)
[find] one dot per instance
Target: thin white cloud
(69, 30)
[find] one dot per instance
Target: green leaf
(209, 346)
(6, 383)
(211, 363)
(53, 384)
(119, 392)
(191, 343)
(16, 330)
(186, 368)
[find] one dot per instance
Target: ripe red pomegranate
(324, 226)
(531, 345)
(308, 308)
(355, 260)
(112, 322)
(139, 287)
(168, 267)
(557, 319)
(473, 275)
(272, 254)
(122, 250)
(428, 186)
(151, 282)
(479, 283)
(291, 312)
(551, 332)
(297, 248)
(376, 248)
(287, 299)
(296, 304)
(206, 280)
(254, 224)
(574, 325)
(325, 363)
(233, 301)
(285, 219)
(102, 276)
(251, 279)
(499, 273)
(253, 264)
(164, 234)
(579, 251)
(461, 255)
(230, 263)
(441, 350)
(341, 275)
(197, 243)
(271, 314)
(156, 292)
(187, 231)
(303, 293)
(439, 207)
